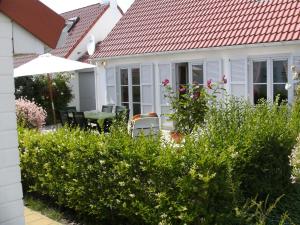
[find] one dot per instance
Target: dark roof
(88, 16)
(36, 18)
(151, 26)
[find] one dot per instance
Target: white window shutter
(238, 78)
(165, 72)
(111, 82)
(147, 88)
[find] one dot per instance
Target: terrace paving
(35, 218)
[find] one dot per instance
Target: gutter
(264, 45)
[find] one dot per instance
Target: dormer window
(72, 22)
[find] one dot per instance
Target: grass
(289, 204)
(48, 208)
(45, 208)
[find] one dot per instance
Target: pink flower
(196, 95)
(224, 79)
(182, 90)
(165, 82)
(30, 114)
(209, 84)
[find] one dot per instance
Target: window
(181, 74)
(136, 91)
(259, 81)
(131, 89)
(189, 73)
(124, 88)
(280, 78)
(269, 78)
(197, 74)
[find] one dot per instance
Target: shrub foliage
(239, 153)
(36, 89)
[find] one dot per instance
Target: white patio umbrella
(49, 64)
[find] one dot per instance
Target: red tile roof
(19, 60)
(88, 17)
(171, 25)
(36, 18)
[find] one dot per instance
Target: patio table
(99, 117)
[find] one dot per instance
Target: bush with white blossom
(30, 114)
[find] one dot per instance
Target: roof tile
(189, 24)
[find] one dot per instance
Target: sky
(61, 6)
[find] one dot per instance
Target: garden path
(35, 218)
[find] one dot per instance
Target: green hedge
(242, 151)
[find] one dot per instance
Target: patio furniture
(64, 118)
(70, 109)
(80, 120)
(107, 108)
(102, 120)
(145, 125)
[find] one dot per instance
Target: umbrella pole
(50, 87)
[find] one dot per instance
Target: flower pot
(176, 137)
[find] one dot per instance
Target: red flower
(224, 79)
(165, 82)
(209, 84)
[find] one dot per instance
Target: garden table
(98, 116)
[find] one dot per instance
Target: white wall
(11, 203)
(100, 31)
(21, 36)
(286, 49)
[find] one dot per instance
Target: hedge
(242, 152)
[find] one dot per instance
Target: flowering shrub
(29, 114)
(189, 103)
(36, 88)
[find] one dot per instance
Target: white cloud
(67, 5)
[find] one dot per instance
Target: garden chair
(64, 118)
(80, 120)
(107, 108)
(145, 125)
(70, 109)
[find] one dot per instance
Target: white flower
(287, 86)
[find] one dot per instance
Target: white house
(97, 20)
(20, 32)
(252, 43)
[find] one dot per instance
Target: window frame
(130, 87)
(270, 76)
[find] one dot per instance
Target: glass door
(260, 83)
(131, 89)
(280, 78)
(125, 88)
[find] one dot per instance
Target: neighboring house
(23, 29)
(97, 20)
(253, 43)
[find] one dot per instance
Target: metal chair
(146, 126)
(80, 120)
(64, 118)
(70, 109)
(107, 108)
